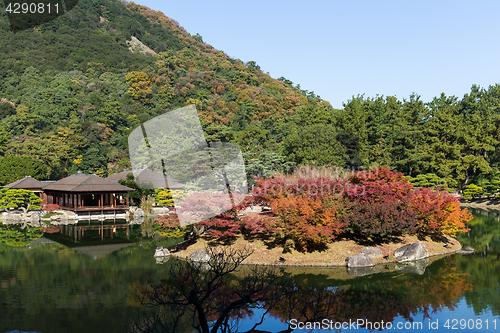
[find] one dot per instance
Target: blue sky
(340, 49)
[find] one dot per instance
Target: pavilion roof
(80, 182)
(146, 176)
(26, 183)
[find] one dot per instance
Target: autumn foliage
(437, 211)
(51, 208)
(309, 211)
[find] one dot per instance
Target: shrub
(438, 211)
(164, 197)
(308, 222)
(379, 184)
(266, 190)
(168, 225)
(381, 218)
(224, 226)
(147, 204)
(51, 208)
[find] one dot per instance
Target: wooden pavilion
(87, 193)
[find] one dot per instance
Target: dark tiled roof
(146, 176)
(26, 183)
(80, 182)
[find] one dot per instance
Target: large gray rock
(162, 252)
(200, 260)
(372, 252)
(411, 252)
(362, 271)
(200, 256)
(35, 216)
(359, 260)
(138, 213)
(416, 267)
(467, 250)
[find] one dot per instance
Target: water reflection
(303, 297)
(52, 287)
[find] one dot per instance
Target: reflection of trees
(483, 266)
(214, 300)
(53, 288)
(18, 234)
(485, 231)
(209, 295)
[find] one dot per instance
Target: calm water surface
(54, 287)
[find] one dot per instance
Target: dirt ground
(264, 253)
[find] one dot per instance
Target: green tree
(17, 198)
(472, 191)
(14, 167)
(315, 144)
(428, 180)
(138, 193)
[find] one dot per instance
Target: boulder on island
(467, 250)
(372, 252)
(359, 260)
(200, 256)
(411, 252)
(161, 252)
(200, 260)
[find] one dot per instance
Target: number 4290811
(478, 324)
(32, 8)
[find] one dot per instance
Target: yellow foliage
(136, 76)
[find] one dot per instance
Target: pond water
(61, 285)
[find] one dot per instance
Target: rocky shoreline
(481, 203)
(338, 254)
(35, 218)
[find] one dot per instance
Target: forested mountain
(73, 89)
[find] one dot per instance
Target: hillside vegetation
(71, 92)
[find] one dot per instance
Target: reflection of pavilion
(76, 232)
(93, 239)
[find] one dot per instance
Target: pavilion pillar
(101, 204)
(127, 199)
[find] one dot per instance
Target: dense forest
(73, 89)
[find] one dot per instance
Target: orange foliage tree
(438, 211)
